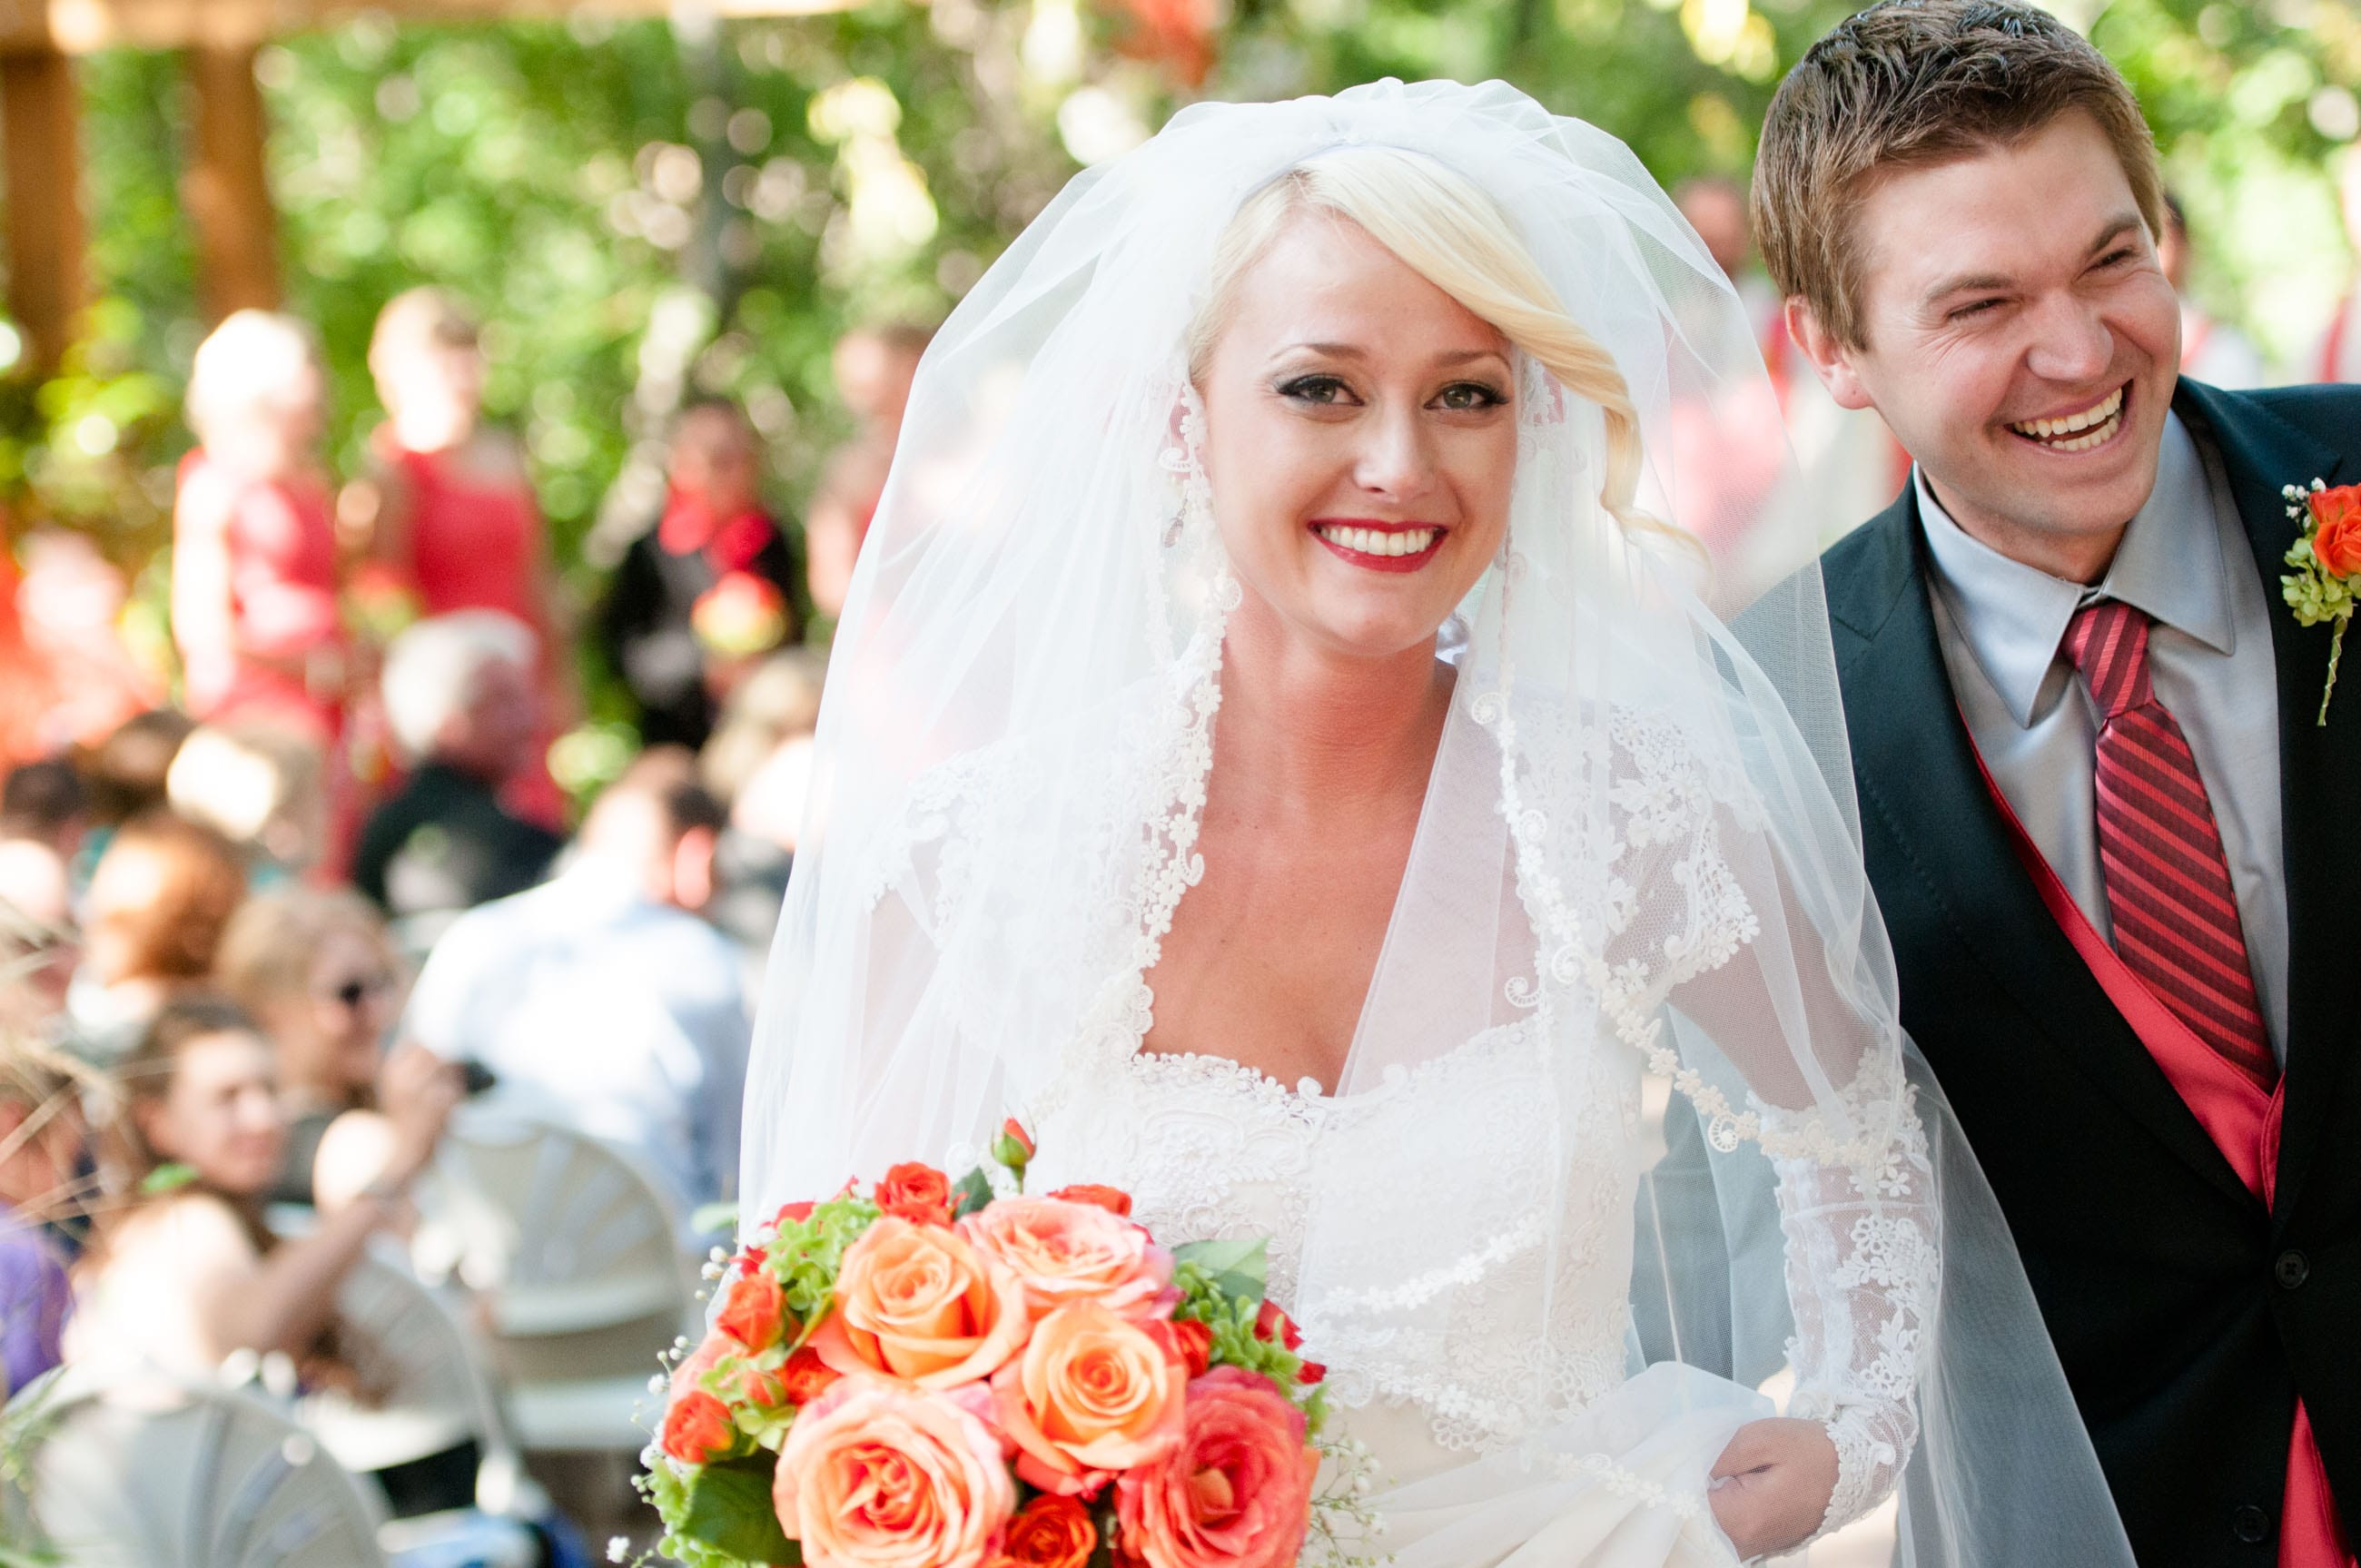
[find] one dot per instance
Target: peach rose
(1092, 1394)
(2337, 545)
(700, 1361)
(876, 1475)
(918, 1303)
(1074, 1252)
(1049, 1532)
(1235, 1492)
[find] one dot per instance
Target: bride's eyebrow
(1350, 352)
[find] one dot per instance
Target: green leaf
(973, 1192)
(168, 1177)
(1237, 1268)
(730, 1509)
(714, 1217)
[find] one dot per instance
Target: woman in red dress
(254, 543)
(456, 517)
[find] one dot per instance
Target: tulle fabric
(1638, 871)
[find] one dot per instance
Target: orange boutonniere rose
(2327, 562)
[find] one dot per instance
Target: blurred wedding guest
(38, 948)
(454, 513)
(68, 675)
(459, 701)
(42, 1138)
(153, 918)
(183, 1270)
(45, 801)
(317, 971)
(602, 1000)
(2211, 351)
(254, 542)
(706, 591)
(758, 764)
(2335, 353)
(259, 784)
(874, 368)
(125, 776)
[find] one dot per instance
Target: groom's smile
(2019, 338)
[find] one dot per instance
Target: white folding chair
(574, 1248)
(150, 1472)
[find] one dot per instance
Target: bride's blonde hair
(1445, 229)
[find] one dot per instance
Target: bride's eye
(1324, 390)
(1467, 396)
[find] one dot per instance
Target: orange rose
(804, 1377)
(2337, 545)
(1049, 1532)
(876, 1475)
(1235, 1492)
(754, 1314)
(696, 1428)
(1073, 1252)
(1114, 1200)
(797, 1213)
(915, 1192)
(917, 1302)
(1092, 1394)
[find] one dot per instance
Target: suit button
(2250, 1524)
(2291, 1270)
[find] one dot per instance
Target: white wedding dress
(1492, 1443)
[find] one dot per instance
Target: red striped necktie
(2169, 892)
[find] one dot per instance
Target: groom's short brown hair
(1905, 84)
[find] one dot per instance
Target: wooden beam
(39, 110)
(226, 189)
(79, 27)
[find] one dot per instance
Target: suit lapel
(1916, 771)
(2320, 771)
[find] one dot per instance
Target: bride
(1286, 744)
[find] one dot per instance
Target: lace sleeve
(1862, 1268)
(1781, 1042)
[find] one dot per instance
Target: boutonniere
(2327, 562)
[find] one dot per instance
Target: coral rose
(700, 1361)
(918, 1303)
(754, 1312)
(874, 1476)
(696, 1428)
(1092, 1394)
(805, 1376)
(1114, 1200)
(1074, 1252)
(2337, 545)
(1186, 1340)
(1236, 1490)
(1049, 1532)
(915, 1192)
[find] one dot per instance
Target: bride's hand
(1772, 1484)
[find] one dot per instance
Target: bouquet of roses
(937, 1375)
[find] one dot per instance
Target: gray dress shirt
(2185, 561)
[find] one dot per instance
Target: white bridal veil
(1638, 863)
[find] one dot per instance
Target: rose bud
(1271, 1324)
(1309, 1373)
(1187, 1341)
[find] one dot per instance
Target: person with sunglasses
(316, 970)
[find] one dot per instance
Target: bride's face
(1361, 439)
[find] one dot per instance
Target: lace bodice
(1462, 1312)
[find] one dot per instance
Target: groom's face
(2020, 340)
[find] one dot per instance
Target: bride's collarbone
(1271, 956)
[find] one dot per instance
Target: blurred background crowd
(436, 441)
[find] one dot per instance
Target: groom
(2120, 860)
